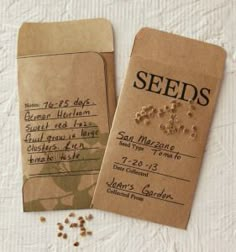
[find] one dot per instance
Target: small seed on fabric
(64, 236)
(76, 244)
(43, 219)
(89, 233)
(61, 227)
(59, 234)
(83, 233)
(67, 221)
(72, 214)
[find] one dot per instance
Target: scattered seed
(173, 101)
(177, 120)
(178, 103)
(181, 127)
(59, 234)
(80, 218)
(146, 122)
(185, 130)
(194, 127)
(67, 221)
(72, 214)
(189, 113)
(137, 115)
(74, 225)
(61, 227)
(137, 120)
(83, 229)
(193, 135)
(190, 101)
(76, 244)
(173, 106)
(83, 233)
(143, 113)
(151, 114)
(167, 107)
(82, 221)
(162, 126)
(89, 233)
(64, 236)
(42, 219)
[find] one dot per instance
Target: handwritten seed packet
(67, 101)
(155, 149)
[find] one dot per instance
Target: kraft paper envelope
(67, 101)
(156, 145)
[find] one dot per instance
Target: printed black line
(65, 173)
(162, 174)
(169, 201)
(93, 126)
(93, 104)
(56, 118)
(65, 161)
(176, 152)
(92, 148)
(46, 141)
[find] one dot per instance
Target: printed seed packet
(67, 101)
(155, 149)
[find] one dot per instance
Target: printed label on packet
(155, 149)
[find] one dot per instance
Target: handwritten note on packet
(67, 102)
(155, 149)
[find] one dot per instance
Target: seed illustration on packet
(67, 102)
(155, 148)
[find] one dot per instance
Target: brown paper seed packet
(155, 149)
(67, 101)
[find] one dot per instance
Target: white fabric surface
(212, 225)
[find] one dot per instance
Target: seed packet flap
(67, 101)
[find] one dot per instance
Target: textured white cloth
(212, 225)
